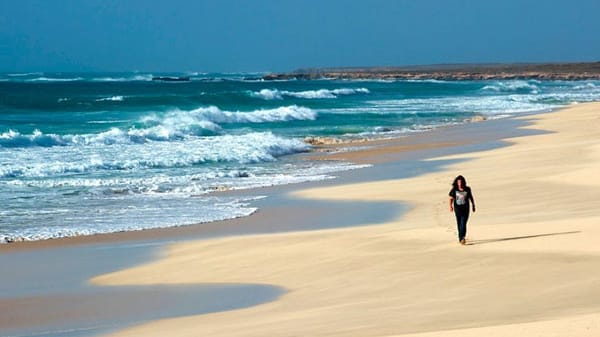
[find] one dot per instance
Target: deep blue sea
(107, 152)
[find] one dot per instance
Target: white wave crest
(271, 94)
(25, 74)
(268, 94)
(512, 86)
(210, 117)
(142, 77)
(54, 79)
(111, 99)
(12, 138)
(178, 124)
(587, 86)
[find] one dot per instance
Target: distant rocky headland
(540, 71)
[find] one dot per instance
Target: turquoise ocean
(108, 152)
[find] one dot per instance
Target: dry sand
(531, 267)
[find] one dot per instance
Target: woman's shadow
(479, 242)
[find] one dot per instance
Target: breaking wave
(55, 79)
(142, 77)
(512, 86)
(248, 148)
(216, 115)
(111, 99)
(172, 126)
(271, 94)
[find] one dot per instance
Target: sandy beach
(529, 269)
(265, 169)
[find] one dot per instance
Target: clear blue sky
(282, 35)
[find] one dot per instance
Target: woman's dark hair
(455, 182)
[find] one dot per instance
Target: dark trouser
(462, 216)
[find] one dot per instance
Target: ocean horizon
(87, 153)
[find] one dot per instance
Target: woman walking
(460, 196)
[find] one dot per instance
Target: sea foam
(488, 105)
(247, 148)
(124, 214)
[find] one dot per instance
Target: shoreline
(529, 263)
(372, 152)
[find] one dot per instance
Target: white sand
(532, 268)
